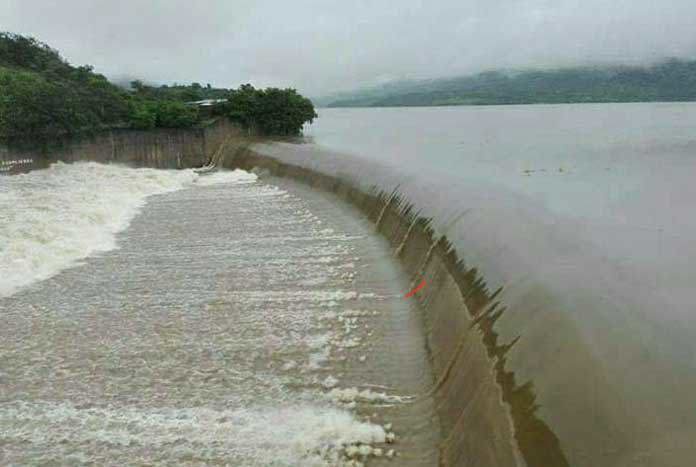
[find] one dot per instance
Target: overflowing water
(166, 318)
(52, 219)
(584, 214)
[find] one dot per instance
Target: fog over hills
(332, 46)
(670, 80)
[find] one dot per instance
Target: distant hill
(671, 80)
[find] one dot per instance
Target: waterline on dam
(223, 320)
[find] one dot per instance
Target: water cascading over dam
(219, 317)
(167, 317)
(486, 417)
(245, 317)
(556, 245)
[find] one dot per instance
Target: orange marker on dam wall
(416, 290)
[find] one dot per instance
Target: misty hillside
(672, 80)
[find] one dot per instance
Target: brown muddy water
(582, 216)
(219, 320)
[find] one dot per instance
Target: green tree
(142, 116)
(148, 114)
(242, 105)
(33, 107)
(173, 114)
(273, 111)
(43, 96)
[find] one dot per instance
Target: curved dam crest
(487, 417)
(586, 354)
(527, 372)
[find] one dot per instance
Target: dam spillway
(564, 235)
(233, 321)
(552, 340)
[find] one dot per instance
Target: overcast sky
(321, 46)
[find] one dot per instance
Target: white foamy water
(51, 219)
(226, 325)
(305, 435)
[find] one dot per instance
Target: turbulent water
(54, 218)
(165, 318)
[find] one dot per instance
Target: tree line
(42, 97)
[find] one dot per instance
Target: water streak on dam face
(233, 321)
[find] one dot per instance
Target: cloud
(322, 46)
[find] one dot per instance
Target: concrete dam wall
(583, 377)
(487, 417)
(161, 148)
(513, 388)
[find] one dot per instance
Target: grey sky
(324, 46)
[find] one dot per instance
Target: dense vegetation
(270, 111)
(178, 92)
(42, 96)
(672, 80)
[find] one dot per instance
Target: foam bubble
(366, 396)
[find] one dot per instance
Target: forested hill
(672, 80)
(43, 97)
